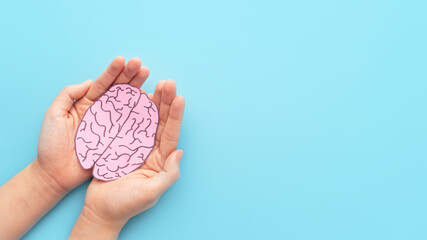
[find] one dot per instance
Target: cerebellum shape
(117, 133)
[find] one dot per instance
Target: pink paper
(117, 133)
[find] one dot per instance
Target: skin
(108, 205)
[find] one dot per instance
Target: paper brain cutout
(117, 133)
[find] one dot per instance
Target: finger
(104, 81)
(140, 77)
(168, 94)
(65, 99)
(130, 70)
(169, 175)
(170, 136)
(172, 163)
(150, 95)
(157, 96)
(143, 91)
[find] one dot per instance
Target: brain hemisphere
(117, 133)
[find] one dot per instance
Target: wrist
(91, 225)
(43, 183)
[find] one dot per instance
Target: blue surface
(304, 119)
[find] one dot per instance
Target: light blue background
(304, 119)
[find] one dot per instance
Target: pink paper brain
(117, 133)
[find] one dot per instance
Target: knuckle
(168, 137)
(66, 89)
(49, 114)
(176, 175)
(150, 197)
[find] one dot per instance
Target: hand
(109, 205)
(56, 157)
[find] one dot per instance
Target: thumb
(65, 99)
(172, 164)
(170, 174)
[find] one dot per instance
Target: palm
(56, 151)
(139, 190)
(122, 198)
